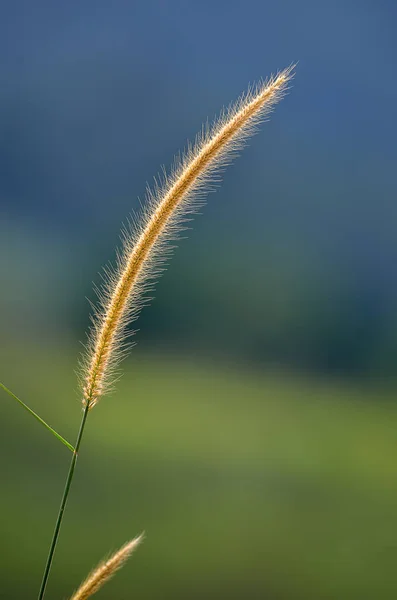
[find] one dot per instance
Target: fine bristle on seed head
(146, 246)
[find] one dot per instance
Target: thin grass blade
(36, 416)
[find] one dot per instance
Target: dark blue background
(299, 244)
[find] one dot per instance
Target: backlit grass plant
(146, 245)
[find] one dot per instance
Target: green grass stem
(62, 507)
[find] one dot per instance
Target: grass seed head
(105, 570)
(146, 245)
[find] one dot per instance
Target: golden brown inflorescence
(166, 208)
(105, 570)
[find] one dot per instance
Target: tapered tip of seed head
(283, 77)
(125, 551)
(289, 71)
(286, 75)
(134, 543)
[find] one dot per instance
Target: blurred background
(253, 435)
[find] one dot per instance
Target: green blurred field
(248, 484)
